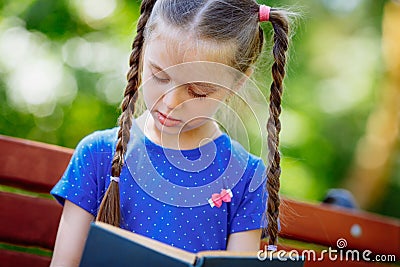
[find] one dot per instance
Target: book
(107, 245)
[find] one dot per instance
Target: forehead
(181, 46)
(190, 57)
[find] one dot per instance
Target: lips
(167, 121)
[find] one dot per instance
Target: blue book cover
(112, 246)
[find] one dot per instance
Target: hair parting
(279, 23)
(109, 210)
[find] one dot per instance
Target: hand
(245, 241)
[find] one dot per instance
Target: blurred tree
(377, 150)
(44, 16)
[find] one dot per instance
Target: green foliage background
(63, 66)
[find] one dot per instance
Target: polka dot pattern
(193, 228)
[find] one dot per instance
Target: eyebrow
(205, 86)
(158, 68)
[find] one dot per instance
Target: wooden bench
(29, 216)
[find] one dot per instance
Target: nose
(174, 98)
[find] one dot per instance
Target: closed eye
(195, 94)
(160, 79)
(200, 89)
(159, 74)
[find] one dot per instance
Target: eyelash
(190, 91)
(196, 95)
(160, 80)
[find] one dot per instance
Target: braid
(109, 211)
(280, 26)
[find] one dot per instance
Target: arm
(71, 236)
(244, 241)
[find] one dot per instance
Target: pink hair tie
(263, 13)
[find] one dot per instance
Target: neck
(184, 140)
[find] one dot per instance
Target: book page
(241, 254)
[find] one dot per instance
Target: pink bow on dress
(217, 199)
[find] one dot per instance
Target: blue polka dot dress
(192, 199)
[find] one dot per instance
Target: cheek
(146, 87)
(150, 95)
(151, 91)
(207, 107)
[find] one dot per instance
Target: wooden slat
(31, 165)
(18, 259)
(28, 220)
(322, 224)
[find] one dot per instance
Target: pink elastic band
(263, 13)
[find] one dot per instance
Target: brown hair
(109, 211)
(219, 22)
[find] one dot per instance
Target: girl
(171, 174)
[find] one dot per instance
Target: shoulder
(99, 141)
(238, 151)
(254, 173)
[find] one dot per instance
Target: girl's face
(183, 86)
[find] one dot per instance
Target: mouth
(167, 121)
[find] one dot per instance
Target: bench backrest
(30, 216)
